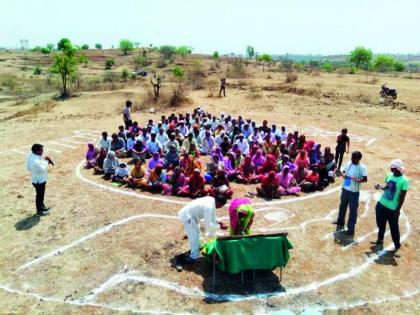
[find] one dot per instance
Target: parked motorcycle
(388, 92)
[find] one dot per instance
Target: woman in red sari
(246, 173)
(269, 186)
(195, 187)
(269, 165)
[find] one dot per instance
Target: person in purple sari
(91, 154)
(258, 159)
(155, 160)
(230, 166)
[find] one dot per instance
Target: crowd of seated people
(198, 154)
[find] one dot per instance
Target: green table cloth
(250, 253)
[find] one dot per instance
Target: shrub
(45, 50)
(161, 62)
(109, 63)
(178, 72)
(238, 69)
(291, 77)
(399, 66)
(37, 49)
(384, 63)
(178, 96)
(124, 74)
(327, 67)
(216, 55)
(110, 77)
(85, 46)
(142, 61)
(98, 46)
(37, 70)
(83, 59)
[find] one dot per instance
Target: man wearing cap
(389, 205)
(190, 216)
(355, 173)
(38, 166)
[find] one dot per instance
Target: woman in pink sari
(246, 173)
(302, 159)
(175, 183)
(269, 165)
(287, 184)
(241, 216)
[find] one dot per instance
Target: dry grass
(39, 108)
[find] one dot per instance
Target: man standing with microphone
(38, 166)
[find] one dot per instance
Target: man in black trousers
(38, 166)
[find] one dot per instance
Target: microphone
(51, 162)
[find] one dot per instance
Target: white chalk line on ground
(95, 233)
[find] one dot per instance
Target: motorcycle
(388, 92)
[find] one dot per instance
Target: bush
(327, 67)
(98, 46)
(142, 61)
(238, 68)
(109, 63)
(161, 62)
(291, 77)
(216, 55)
(85, 46)
(45, 50)
(399, 66)
(111, 77)
(36, 49)
(37, 70)
(124, 74)
(384, 63)
(178, 96)
(167, 51)
(178, 72)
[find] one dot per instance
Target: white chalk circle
(279, 215)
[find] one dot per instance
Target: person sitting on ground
(329, 160)
(212, 168)
(121, 174)
(230, 166)
(171, 158)
(162, 137)
(194, 151)
(309, 145)
(302, 159)
(131, 141)
(220, 185)
(241, 215)
(110, 164)
(187, 143)
(176, 181)
(156, 179)
(258, 159)
(225, 145)
(104, 143)
(172, 142)
(179, 137)
(118, 146)
(189, 164)
(324, 175)
(91, 154)
(242, 144)
(122, 133)
(268, 147)
(99, 162)
(285, 161)
(287, 184)
(270, 164)
(269, 186)
(134, 128)
(299, 174)
(155, 160)
(246, 172)
(153, 145)
(207, 143)
(311, 182)
(195, 187)
(137, 176)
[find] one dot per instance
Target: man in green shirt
(389, 205)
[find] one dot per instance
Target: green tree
(250, 52)
(383, 63)
(183, 51)
(65, 64)
(264, 58)
(361, 57)
(45, 50)
(109, 63)
(327, 66)
(37, 49)
(98, 46)
(126, 46)
(50, 46)
(83, 59)
(399, 66)
(124, 74)
(167, 51)
(216, 55)
(178, 72)
(62, 43)
(85, 46)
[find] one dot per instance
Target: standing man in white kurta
(191, 214)
(38, 166)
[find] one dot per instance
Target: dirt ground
(106, 250)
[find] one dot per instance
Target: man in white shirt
(243, 144)
(207, 143)
(38, 166)
(355, 173)
(191, 214)
(105, 142)
(162, 137)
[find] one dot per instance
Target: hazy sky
(275, 27)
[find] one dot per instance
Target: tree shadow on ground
(266, 281)
(386, 257)
(27, 223)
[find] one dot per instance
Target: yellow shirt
(138, 174)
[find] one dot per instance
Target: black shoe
(188, 260)
(337, 223)
(397, 247)
(45, 209)
(348, 233)
(42, 213)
